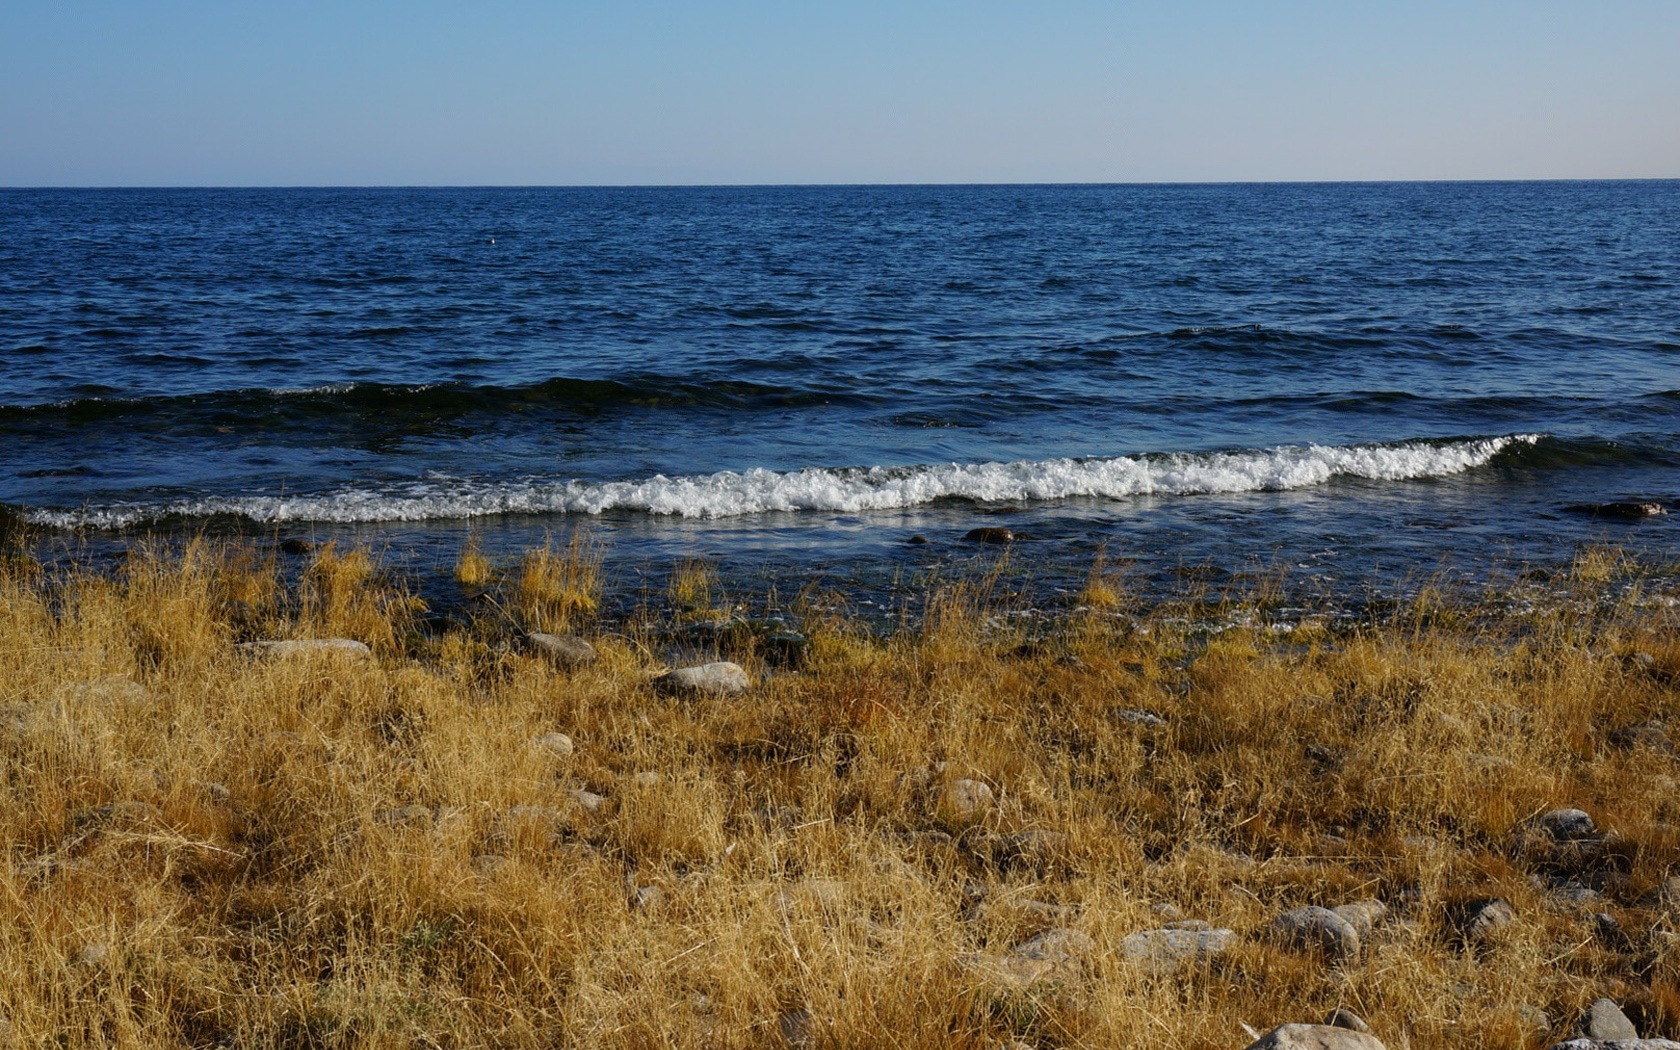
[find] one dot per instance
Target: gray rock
(989, 534)
(1617, 1044)
(1479, 921)
(1055, 946)
(1165, 950)
(1342, 1017)
(966, 798)
(1364, 916)
(557, 744)
(404, 816)
(647, 898)
(113, 690)
(1317, 929)
(796, 1028)
(1146, 719)
(722, 678)
(93, 955)
(1315, 1037)
(564, 650)
(305, 647)
(1650, 734)
(1037, 848)
(648, 778)
(1605, 1020)
(590, 801)
(1567, 825)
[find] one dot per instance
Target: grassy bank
(458, 839)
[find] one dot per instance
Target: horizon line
(816, 185)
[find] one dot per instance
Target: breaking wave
(843, 490)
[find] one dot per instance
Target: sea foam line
(843, 490)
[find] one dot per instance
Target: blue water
(1353, 381)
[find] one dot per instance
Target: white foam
(847, 490)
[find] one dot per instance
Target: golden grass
(206, 848)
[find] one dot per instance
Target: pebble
(564, 650)
(647, 898)
(1315, 1037)
(1317, 929)
(1649, 734)
(558, 744)
(648, 778)
(304, 647)
(722, 678)
(1363, 916)
(1605, 1020)
(1616, 1044)
(966, 798)
(1167, 949)
(989, 534)
(796, 1028)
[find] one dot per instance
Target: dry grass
(210, 849)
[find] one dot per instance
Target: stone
(1058, 946)
(1342, 1017)
(1145, 719)
(1315, 1037)
(989, 534)
(217, 791)
(1649, 734)
(1317, 929)
(404, 816)
(796, 1029)
(1036, 848)
(1566, 825)
(648, 778)
(590, 801)
(1479, 921)
(918, 539)
(965, 798)
(1169, 948)
(567, 651)
(305, 647)
(558, 744)
(1605, 1020)
(1620, 1044)
(1364, 916)
(647, 898)
(93, 955)
(109, 689)
(1022, 911)
(1626, 510)
(722, 678)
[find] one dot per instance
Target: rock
(1146, 719)
(1037, 848)
(1317, 929)
(1167, 949)
(1620, 1044)
(217, 791)
(1342, 1017)
(404, 816)
(557, 744)
(648, 778)
(918, 539)
(722, 678)
(965, 799)
(1021, 910)
(109, 689)
(304, 647)
(1479, 921)
(1059, 945)
(1649, 734)
(563, 650)
(1566, 825)
(1315, 1037)
(1627, 510)
(796, 1029)
(1534, 1017)
(1363, 916)
(93, 955)
(590, 801)
(295, 546)
(647, 898)
(127, 813)
(1605, 1020)
(989, 534)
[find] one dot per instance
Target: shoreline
(531, 826)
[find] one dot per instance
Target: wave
(357, 401)
(844, 490)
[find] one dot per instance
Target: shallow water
(1354, 383)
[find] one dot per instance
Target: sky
(616, 92)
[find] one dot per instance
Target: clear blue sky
(237, 92)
